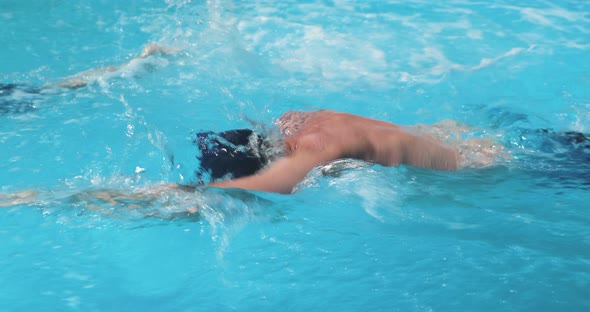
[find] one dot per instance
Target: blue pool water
(510, 237)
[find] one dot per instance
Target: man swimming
(319, 137)
(244, 159)
(241, 158)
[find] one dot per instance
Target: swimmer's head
(229, 154)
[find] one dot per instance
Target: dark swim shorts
(17, 98)
(230, 154)
(570, 144)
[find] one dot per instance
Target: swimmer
(18, 98)
(241, 159)
(319, 137)
(312, 139)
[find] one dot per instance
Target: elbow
(447, 161)
(285, 191)
(279, 189)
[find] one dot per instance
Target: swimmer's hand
(426, 151)
(19, 198)
(472, 152)
(154, 48)
(480, 153)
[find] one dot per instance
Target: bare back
(313, 138)
(340, 135)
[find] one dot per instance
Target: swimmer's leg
(570, 145)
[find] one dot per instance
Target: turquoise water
(510, 237)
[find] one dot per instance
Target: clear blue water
(511, 237)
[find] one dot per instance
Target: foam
(337, 57)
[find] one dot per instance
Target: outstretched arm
(82, 79)
(281, 177)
